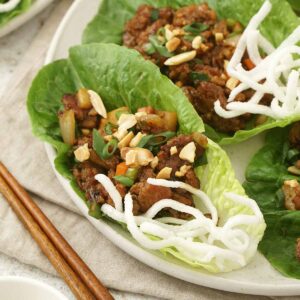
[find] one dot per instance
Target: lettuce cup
(134, 149)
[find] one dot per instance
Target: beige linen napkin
(25, 156)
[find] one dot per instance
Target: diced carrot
(121, 169)
(249, 63)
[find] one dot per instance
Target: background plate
(18, 21)
(258, 278)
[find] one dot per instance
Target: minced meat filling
(160, 33)
(164, 148)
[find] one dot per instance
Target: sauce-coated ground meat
(210, 59)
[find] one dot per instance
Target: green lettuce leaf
(108, 25)
(122, 77)
(265, 175)
(21, 8)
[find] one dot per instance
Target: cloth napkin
(25, 156)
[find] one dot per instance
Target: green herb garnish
(124, 180)
(198, 76)
(109, 149)
(154, 15)
(195, 28)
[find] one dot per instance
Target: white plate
(16, 22)
(16, 288)
(258, 278)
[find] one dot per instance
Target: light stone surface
(12, 49)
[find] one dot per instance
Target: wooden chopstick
(20, 201)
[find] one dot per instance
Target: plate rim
(155, 262)
(23, 18)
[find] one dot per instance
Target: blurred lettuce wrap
(267, 177)
(108, 26)
(122, 77)
(6, 16)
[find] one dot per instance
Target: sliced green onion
(162, 50)
(154, 14)
(98, 142)
(195, 28)
(109, 149)
(198, 76)
(124, 180)
(161, 138)
(132, 173)
(109, 127)
(149, 49)
(155, 140)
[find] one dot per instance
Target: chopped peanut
(219, 36)
(183, 170)
(291, 190)
(180, 58)
(173, 150)
(134, 142)
(126, 140)
(136, 157)
(196, 43)
(127, 121)
(108, 138)
(154, 162)
(120, 133)
(97, 103)
(232, 83)
(82, 153)
(164, 173)
(188, 152)
(173, 44)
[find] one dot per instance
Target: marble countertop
(12, 49)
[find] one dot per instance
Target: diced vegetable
(67, 126)
(124, 180)
(83, 99)
(151, 121)
(121, 168)
(132, 173)
(248, 63)
(170, 119)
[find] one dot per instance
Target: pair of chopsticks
(81, 280)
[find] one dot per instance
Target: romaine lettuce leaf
(264, 178)
(122, 77)
(21, 8)
(108, 26)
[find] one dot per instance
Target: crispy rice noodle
(274, 74)
(200, 238)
